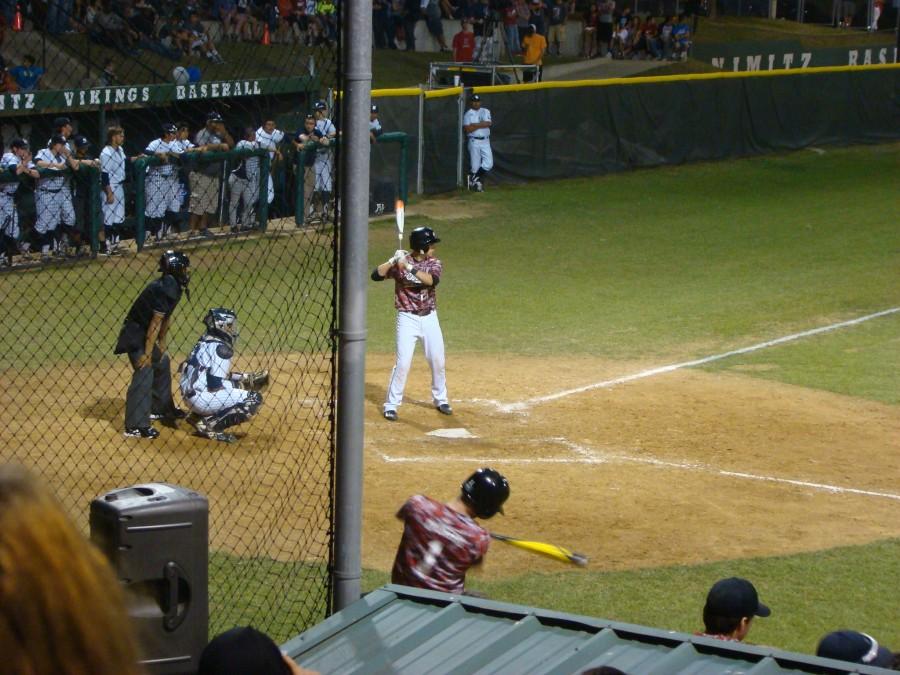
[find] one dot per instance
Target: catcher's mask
(421, 238)
(485, 491)
(176, 263)
(222, 323)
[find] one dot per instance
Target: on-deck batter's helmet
(485, 491)
(421, 238)
(222, 323)
(176, 263)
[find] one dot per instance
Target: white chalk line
(522, 405)
(586, 455)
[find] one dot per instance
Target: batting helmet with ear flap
(485, 491)
(421, 238)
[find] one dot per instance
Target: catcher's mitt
(254, 381)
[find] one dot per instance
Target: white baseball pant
(206, 403)
(480, 154)
(113, 214)
(163, 194)
(410, 328)
(53, 208)
(9, 216)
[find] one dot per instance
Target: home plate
(452, 433)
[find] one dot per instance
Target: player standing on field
(416, 275)
(441, 542)
(143, 338)
(112, 179)
(477, 125)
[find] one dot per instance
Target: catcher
(218, 398)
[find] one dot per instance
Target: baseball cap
(60, 122)
(81, 141)
(169, 128)
(309, 116)
(20, 143)
(56, 138)
(850, 645)
(242, 650)
(374, 108)
(474, 97)
(320, 105)
(214, 117)
(734, 597)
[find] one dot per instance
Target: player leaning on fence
(214, 137)
(15, 164)
(112, 179)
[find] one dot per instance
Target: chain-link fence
(156, 126)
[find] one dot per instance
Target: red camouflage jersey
(438, 547)
(410, 294)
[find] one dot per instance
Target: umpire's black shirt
(160, 296)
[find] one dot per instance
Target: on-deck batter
(416, 275)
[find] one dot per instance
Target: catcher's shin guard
(236, 414)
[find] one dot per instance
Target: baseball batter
(112, 178)
(53, 197)
(441, 542)
(17, 162)
(208, 386)
(163, 190)
(477, 125)
(416, 275)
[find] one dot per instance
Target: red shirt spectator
(464, 43)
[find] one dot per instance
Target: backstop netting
(85, 220)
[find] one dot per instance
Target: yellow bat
(549, 550)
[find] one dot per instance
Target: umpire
(143, 338)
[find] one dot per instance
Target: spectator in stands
(8, 84)
(849, 9)
(28, 75)
(510, 17)
(243, 185)
(855, 647)
(204, 179)
(201, 42)
(326, 13)
(382, 35)
(434, 23)
(113, 30)
(464, 43)
(482, 25)
(224, 11)
(15, 164)
(61, 608)
(558, 11)
(411, 15)
(877, 9)
(108, 76)
(306, 142)
(729, 610)
(523, 20)
(681, 38)
(246, 24)
(605, 27)
(637, 45)
(244, 650)
(538, 12)
(59, 14)
(651, 38)
(175, 37)
(620, 43)
(534, 45)
(589, 38)
(665, 37)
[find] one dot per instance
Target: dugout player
(112, 178)
(218, 398)
(305, 142)
(416, 275)
(325, 133)
(143, 338)
(15, 164)
(477, 125)
(441, 542)
(53, 197)
(163, 191)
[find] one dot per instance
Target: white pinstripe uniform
(269, 142)
(183, 146)
(480, 154)
(112, 163)
(53, 197)
(324, 164)
(9, 215)
(163, 192)
(244, 187)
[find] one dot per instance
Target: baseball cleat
(174, 414)
(141, 432)
(445, 409)
(220, 436)
(390, 415)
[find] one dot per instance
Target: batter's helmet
(222, 323)
(176, 263)
(421, 238)
(485, 491)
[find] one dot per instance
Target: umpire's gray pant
(150, 390)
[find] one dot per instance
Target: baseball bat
(549, 550)
(401, 217)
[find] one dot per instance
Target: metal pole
(420, 146)
(353, 267)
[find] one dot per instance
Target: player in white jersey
(243, 185)
(53, 196)
(208, 386)
(477, 125)
(325, 132)
(112, 178)
(162, 189)
(268, 137)
(375, 129)
(15, 163)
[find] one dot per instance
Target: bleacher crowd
(54, 199)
